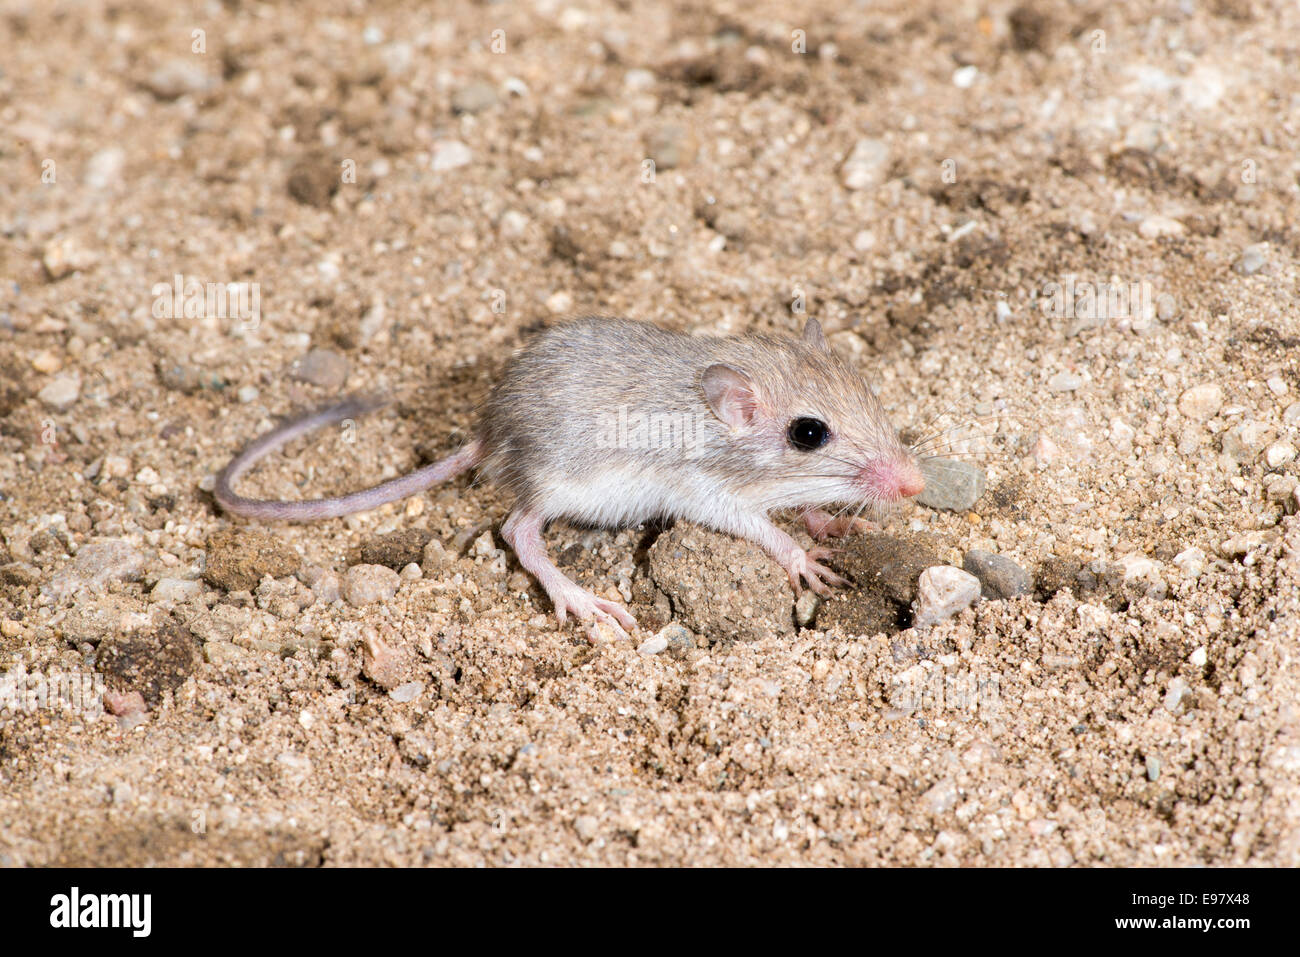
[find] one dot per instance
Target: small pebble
(1136, 567)
(866, 165)
(964, 77)
(952, 484)
(178, 77)
(999, 576)
(1191, 562)
(671, 145)
(238, 559)
(322, 367)
(326, 588)
(379, 662)
(586, 827)
(175, 589)
(47, 361)
(474, 97)
(806, 607)
(1174, 694)
(66, 255)
(407, 692)
(61, 392)
(1279, 454)
(653, 646)
(1157, 227)
(450, 154)
(1252, 259)
(104, 168)
(364, 584)
(941, 592)
(97, 564)
(1199, 657)
(679, 637)
(247, 394)
(1064, 382)
(1201, 402)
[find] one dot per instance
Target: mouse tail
(315, 509)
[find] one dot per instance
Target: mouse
(612, 422)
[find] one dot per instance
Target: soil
(401, 192)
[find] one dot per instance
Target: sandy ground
(408, 189)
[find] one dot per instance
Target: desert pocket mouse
(613, 422)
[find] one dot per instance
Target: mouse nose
(894, 479)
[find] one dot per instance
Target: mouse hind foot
(523, 531)
(822, 525)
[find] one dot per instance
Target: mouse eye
(808, 434)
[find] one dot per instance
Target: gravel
(96, 566)
(999, 576)
(866, 164)
(365, 584)
(941, 592)
(951, 484)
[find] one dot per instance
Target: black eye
(808, 434)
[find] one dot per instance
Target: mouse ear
(812, 334)
(730, 394)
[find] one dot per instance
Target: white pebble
(61, 392)
(653, 646)
(450, 154)
(1136, 567)
(1155, 227)
(1279, 454)
(865, 165)
(407, 692)
(1174, 694)
(1064, 382)
(1191, 562)
(941, 592)
(1201, 402)
(363, 584)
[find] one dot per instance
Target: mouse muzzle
(892, 479)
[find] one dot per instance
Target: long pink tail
(373, 497)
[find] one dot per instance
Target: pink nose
(893, 479)
(911, 481)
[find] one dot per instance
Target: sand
(404, 192)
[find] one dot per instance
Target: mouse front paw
(805, 566)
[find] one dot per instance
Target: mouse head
(810, 430)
